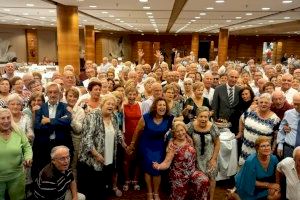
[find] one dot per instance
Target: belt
(288, 145)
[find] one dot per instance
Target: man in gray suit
(226, 99)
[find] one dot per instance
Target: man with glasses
(56, 180)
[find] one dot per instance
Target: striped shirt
(52, 184)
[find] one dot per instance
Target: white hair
(15, 97)
(188, 80)
(149, 79)
(54, 150)
(50, 84)
(265, 96)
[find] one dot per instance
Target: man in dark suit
(226, 99)
(51, 128)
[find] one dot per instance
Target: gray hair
(188, 80)
(295, 151)
(15, 97)
(107, 97)
(54, 150)
(14, 126)
(202, 109)
(149, 79)
(265, 96)
(178, 123)
(50, 84)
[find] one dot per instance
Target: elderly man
(51, 127)
(254, 85)
(56, 179)
(90, 72)
(290, 169)
(226, 99)
(279, 104)
(156, 92)
(69, 80)
(182, 71)
(209, 91)
(289, 130)
(286, 87)
(9, 71)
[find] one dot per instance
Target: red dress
(132, 115)
(185, 179)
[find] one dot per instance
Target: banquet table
(227, 160)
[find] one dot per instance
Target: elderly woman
(188, 88)
(185, 179)
(98, 150)
(159, 72)
(23, 122)
(256, 179)
(205, 135)
(78, 114)
(148, 88)
(260, 121)
(15, 152)
(93, 102)
(34, 103)
(17, 85)
(4, 91)
(175, 106)
(152, 129)
(193, 103)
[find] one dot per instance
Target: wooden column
(98, 49)
(195, 45)
(32, 46)
(223, 46)
(211, 51)
(274, 53)
(279, 52)
(68, 37)
(89, 35)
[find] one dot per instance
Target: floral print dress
(185, 179)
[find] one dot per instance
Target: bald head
(232, 77)
(287, 81)
(156, 90)
(278, 99)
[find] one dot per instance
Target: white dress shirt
(109, 144)
(52, 113)
(209, 94)
(287, 167)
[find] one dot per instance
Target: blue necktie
(298, 135)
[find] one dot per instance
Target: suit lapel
(46, 110)
(58, 110)
(226, 94)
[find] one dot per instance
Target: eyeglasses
(264, 146)
(62, 159)
(187, 84)
(216, 78)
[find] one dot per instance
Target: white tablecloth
(227, 160)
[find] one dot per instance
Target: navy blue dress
(152, 146)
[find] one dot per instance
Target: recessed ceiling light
(118, 19)
(243, 26)
(143, 1)
(265, 8)
(238, 17)
(52, 24)
(85, 20)
(17, 19)
(111, 16)
(142, 33)
(54, 20)
(25, 13)
(152, 20)
(122, 21)
(104, 12)
(52, 11)
(93, 6)
(260, 23)
(6, 9)
(287, 1)
(149, 13)
(193, 20)
(202, 14)
(197, 17)
(219, 1)
(228, 20)
(146, 7)
(80, 25)
(271, 21)
(42, 17)
(28, 24)
(29, 4)
(209, 8)
(287, 18)
(16, 22)
(249, 14)
(189, 22)
(150, 16)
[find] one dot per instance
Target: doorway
(204, 47)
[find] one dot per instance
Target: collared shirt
(52, 110)
(52, 184)
(290, 118)
(289, 94)
(209, 94)
(146, 105)
(287, 167)
(228, 90)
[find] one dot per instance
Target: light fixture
(42, 17)
(146, 7)
(85, 20)
(260, 23)
(150, 16)
(111, 15)
(287, 1)
(6, 9)
(51, 11)
(17, 19)
(28, 24)
(29, 4)
(197, 17)
(271, 21)
(238, 17)
(193, 20)
(118, 19)
(209, 8)
(25, 13)
(143, 1)
(142, 33)
(265, 8)
(152, 20)
(287, 18)
(149, 13)
(122, 21)
(220, 1)
(104, 12)
(93, 6)
(202, 14)
(228, 20)
(249, 14)
(52, 24)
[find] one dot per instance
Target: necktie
(230, 96)
(298, 135)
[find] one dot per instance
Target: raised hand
(140, 53)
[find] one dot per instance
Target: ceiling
(161, 16)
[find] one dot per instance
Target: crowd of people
(96, 135)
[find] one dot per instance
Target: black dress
(192, 114)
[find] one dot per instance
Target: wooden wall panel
(98, 49)
(32, 46)
(68, 37)
(89, 36)
(195, 45)
(223, 46)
